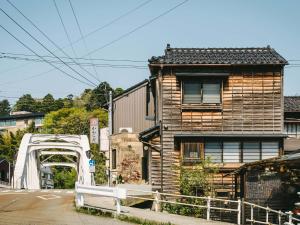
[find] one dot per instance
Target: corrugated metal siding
(130, 111)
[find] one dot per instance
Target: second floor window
(197, 92)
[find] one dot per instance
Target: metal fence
(209, 204)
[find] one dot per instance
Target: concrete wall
(129, 153)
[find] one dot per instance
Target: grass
(125, 218)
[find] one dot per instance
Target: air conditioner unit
(125, 130)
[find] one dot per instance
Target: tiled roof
(221, 56)
(292, 103)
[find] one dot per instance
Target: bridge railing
(113, 192)
(208, 203)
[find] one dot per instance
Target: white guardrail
(158, 198)
(113, 192)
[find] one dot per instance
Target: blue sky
(197, 23)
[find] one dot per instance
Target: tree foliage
(72, 121)
(4, 107)
(195, 180)
(76, 121)
(26, 103)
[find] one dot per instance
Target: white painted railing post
(252, 219)
(279, 217)
(208, 208)
(118, 205)
(290, 217)
(267, 215)
(156, 202)
(239, 208)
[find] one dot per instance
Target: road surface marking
(70, 192)
(57, 191)
(19, 191)
(5, 191)
(45, 190)
(31, 190)
(48, 197)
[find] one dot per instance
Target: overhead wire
(137, 28)
(81, 35)
(79, 58)
(47, 37)
(107, 24)
(69, 75)
(77, 63)
(45, 48)
(64, 27)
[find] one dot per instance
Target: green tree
(48, 104)
(64, 178)
(4, 107)
(26, 103)
(118, 91)
(195, 180)
(72, 121)
(99, 96)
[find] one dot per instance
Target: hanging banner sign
(94, 130)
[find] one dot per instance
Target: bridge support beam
(26, 173)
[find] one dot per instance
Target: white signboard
(94, 130)
(104, 139)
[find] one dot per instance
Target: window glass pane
(192, 92)
(211, 93)
(251, 151)
(285, 128)
(191, 151)
(231, 152)
(269, 149)
(213, 150)
(114, 159)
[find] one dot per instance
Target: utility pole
(110, 112)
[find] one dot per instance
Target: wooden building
(222, 103)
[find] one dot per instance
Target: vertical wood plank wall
(251, 103)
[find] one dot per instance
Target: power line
(41, 57)
(64, 27)
(81, 35)
(77, 63)
(43, 47)
(48, 38)
(109, 23)
(114, 20)
(137, 28)
(79, 58)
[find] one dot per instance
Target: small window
(251, 151)
(231, 152)
(213, 150)
(269, 149)
(197, 92)
(191, 151)
(211, 93)
(114, 159)
(192, 92)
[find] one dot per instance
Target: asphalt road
(46, 207)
